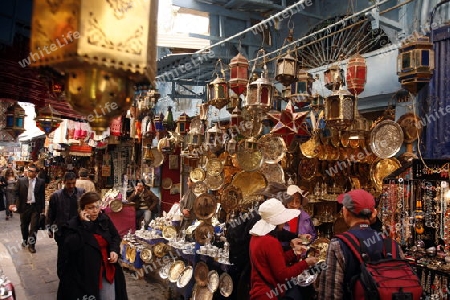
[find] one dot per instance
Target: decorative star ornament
(289, 123)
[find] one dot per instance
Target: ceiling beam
(216, 10)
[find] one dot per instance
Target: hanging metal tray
(386, 139)
(272, 147)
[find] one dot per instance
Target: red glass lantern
(238, 74)
(183, 124)
(356, 74)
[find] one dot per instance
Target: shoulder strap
(353, 244)
(390, 248)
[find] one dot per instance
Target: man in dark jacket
(146, 204)
(30, 205)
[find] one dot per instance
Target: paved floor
(34, 275)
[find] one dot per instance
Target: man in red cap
(342, 265)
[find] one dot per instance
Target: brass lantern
(231, 146)
(415, 63)
(238, 74)
(317, 102)
(48, 119)
(236, 117)
(334, 78)
(356, 74)
(259, 94)
(301, 90)
(286, 69)
(15, 116)
(153, 97)
(86, 41)
(340, 109)
(234, 102)
(357, 131)
(214, 136)
(218, 92)
(183, 124)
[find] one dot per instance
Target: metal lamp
(238, 74)
(259, 94)
(301, 89)
(48, 119)
(356, 74)
(333, 78)
(183, 124)
(340, 109)
(218, 92)
(15, 116)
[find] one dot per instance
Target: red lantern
(116, 126)
(238, 74)
(356, 74)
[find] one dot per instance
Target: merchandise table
(124, 220)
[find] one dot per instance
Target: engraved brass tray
(214, 182)
(307, 168)
(381, 169)
(201, 293)
(213, 280)
(169, 232)
(272, 172)
(214, 166)
(201, 273)
(412, 127)
(185, 277)
(386, 139)
(160, 249)
(249, 183)
(116, 205)
(198, 174)
(204, 232)
(310, 148)
(175, 270)
(200, 188)
(158, 158)
(249, 160)
(230, 198)
(205, 206)
(225, 284)
(146, 255)
(272, 147)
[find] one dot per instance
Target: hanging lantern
(153, 96)
(168, 121)
(231, 146)
(150, 132)
(48, 119)
(286, 69)
(259, 94)
(238, 74)
(214, 137)
(334, 78)
(15, 116)
(218, 92)
(183, 124)
(204, 107)
(356, 74)
(415, 63)
(148, 156)
(98, 56)
(340, 109)
(317, 102)
(301, 90)
(116, 126)
(234, 102)
(357, 131)
(236, 117)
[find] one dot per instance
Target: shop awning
(80, 150)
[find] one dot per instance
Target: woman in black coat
(90, 247)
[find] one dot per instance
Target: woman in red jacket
(274, 271)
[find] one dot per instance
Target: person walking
(146, 204)
(30, 204)
(84, 182)
(90, 247)
(342, 265)
(9, 182)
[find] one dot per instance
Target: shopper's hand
(186, 213)
(113, 257)
(85, 216)
(311, 261)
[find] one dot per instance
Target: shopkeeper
(146, 204)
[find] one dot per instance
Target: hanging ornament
(287, 64)
(218, 90)
(48, 119)
(334, 78)
(356, 74)
(238, 74)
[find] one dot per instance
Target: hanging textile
(435, 107)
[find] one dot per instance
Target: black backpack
(388, 278)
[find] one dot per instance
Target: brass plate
(230, 198)
(158, 158)
(272, 172)
(412, 127)
(319, 248)
(131, 253)
(386, 139)
(272, 147)
(250, 126)
(213, 280)
(146, 255)
(116, 205)
(214, 182)
(175, 270)
(201, 273)
(214, 166)
(249, 183)
(198, 174)
(381, 169)
(310, 148)
(200, 188)
(166, 183)
(164, 271)
(185, 277)
(205, 206)
(225, 285)
(160, 249)
(169, 232)
(249, 160)
(204, 232)
(307, 168)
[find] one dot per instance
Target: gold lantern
(238, 74)
(236, 117)
(214, 137)
(234, 102)
(340, 109)
(183, 124)
(317, 102)
(357, 131)
(259, 94)
(301, 90)
(48, 119)
(153, 97)
(15, 116)
(415, 63)
(86, 40)
(231, 146)
(218, 92)
(286, 68)
(333, 78)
